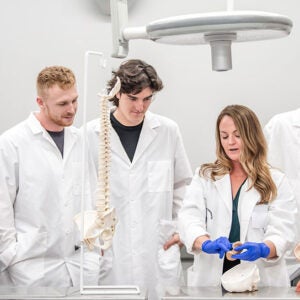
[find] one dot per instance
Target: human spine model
(100, 223)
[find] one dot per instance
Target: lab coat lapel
(36, 128)
(115, 142)
(147, 135)
(223, 187)
(117, 147)
(71, 136)
(247, 202)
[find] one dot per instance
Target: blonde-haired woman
(238, 198)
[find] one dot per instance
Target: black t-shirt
(129, 135)
(59, 138)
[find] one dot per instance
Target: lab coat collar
(116, 145)
(36, 126)
(147, 135)
(71, 137)
(115, 142)
(247, 201)
(71, 133)
(34, 123)
(223, 186)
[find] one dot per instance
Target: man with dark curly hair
(148, 177)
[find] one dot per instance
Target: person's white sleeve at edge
(281, 216)
(182, 175)
(8, 188)
(191, 218)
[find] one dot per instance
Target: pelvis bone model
(99, 225)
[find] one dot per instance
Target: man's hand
(175, 239)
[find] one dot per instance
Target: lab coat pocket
(28, 266)
(259, 216)
(170, 270)
(30, 245)
(159, 176)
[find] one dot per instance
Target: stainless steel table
(193, 293)
(176, 293)
(60, 293)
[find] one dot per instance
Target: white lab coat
(283, 136)
(207, 210)
(40, 192)
(147, 194)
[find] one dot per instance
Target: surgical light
(219, 30)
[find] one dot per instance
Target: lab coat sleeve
(92, 148)
(8, 190)
(191, 217)
(92, 136)
(182, 174)
(281, 217)
(277, 143)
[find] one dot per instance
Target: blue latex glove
(221, 245)
(253, 251)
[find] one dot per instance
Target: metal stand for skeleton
(102, 227)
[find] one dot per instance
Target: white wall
(39, 33)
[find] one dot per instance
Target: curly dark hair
(135, 75)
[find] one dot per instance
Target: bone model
(100, 224)
(241, 278)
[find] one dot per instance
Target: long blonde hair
(254, 154)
